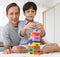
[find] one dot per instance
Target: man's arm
(6, 40)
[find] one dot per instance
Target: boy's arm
(42, 41)
(30, 25)
(21, 29)
(40, 26)
(23, 32)
(42, 32)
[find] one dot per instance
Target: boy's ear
(24, 14)
(35, 13)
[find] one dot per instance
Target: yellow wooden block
(34, 44)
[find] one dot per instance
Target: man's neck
(14, 25)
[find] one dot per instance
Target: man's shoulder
(7, 26)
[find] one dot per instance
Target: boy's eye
(32, 11)
(28, 11)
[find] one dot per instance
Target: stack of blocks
(34, 43)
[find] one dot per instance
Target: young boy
(29, 25)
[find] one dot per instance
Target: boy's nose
(30, 13)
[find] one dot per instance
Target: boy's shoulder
(22, 22)
(38, 22)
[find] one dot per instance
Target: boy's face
(29, 14)
(13, 15)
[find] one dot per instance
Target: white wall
(52, 24)
(57, 24)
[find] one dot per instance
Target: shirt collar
(26, 21)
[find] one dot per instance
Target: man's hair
(11, 5)
(29, 5)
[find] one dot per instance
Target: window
(1, 16)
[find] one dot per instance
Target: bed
(56, 54)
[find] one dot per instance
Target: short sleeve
(19, 28)
(5, 36)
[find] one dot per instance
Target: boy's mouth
(30, 16)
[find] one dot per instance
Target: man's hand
(7, 51)
(19, 49)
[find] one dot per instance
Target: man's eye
(17, 13)
(11, 13)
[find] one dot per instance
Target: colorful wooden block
(34, 38)
(34, 43)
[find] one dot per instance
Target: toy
(34, 43)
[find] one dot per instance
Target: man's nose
(14, 15)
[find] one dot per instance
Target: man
(10, 32)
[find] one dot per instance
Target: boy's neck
(29, 20)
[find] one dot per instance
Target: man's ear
(7, 15)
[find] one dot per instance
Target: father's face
(13, 15)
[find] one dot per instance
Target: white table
(56, 54)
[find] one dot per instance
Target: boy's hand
(39, 26)
(30, 25)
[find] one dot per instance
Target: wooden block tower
(34, 43)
